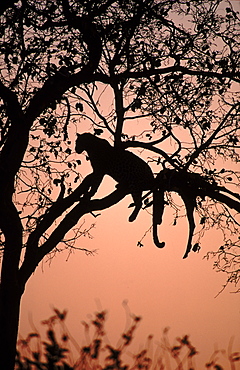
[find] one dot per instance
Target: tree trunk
(10, 297)
(10, 289)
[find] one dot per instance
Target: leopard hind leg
(137, 199)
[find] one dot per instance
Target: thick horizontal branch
(177, 68)
(163, 71)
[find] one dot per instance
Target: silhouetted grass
(56, 354)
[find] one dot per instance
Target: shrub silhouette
(55, 353)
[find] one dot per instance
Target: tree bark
(10, 298)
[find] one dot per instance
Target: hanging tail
(158, 208)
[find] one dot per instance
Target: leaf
(56, 182)
(196, 247)
(60, 315)
(177, 120)
(98, 131)
(33, 335)
(68, 151)
(136, 104)
(79, 106)
(142, 90)
(235, 356)
(36, 355)
(15, 60)
(218, 367)
(203, 220)
(162, 110)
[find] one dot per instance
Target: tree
(171, 66)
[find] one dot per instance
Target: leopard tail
(158, 208)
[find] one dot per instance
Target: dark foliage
(97, 354)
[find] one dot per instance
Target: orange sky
(158, 284)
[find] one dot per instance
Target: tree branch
(57, 85)
(207, 143)
(70, 220)
(176, 68)
(55, 211)
(16, 139)
(149, 146)
(222, 198)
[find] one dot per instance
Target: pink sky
(159, 285)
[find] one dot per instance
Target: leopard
(132, 174)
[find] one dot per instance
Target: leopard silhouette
(132, 174)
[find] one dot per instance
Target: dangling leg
(137, 199)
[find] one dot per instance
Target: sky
(161, 287)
